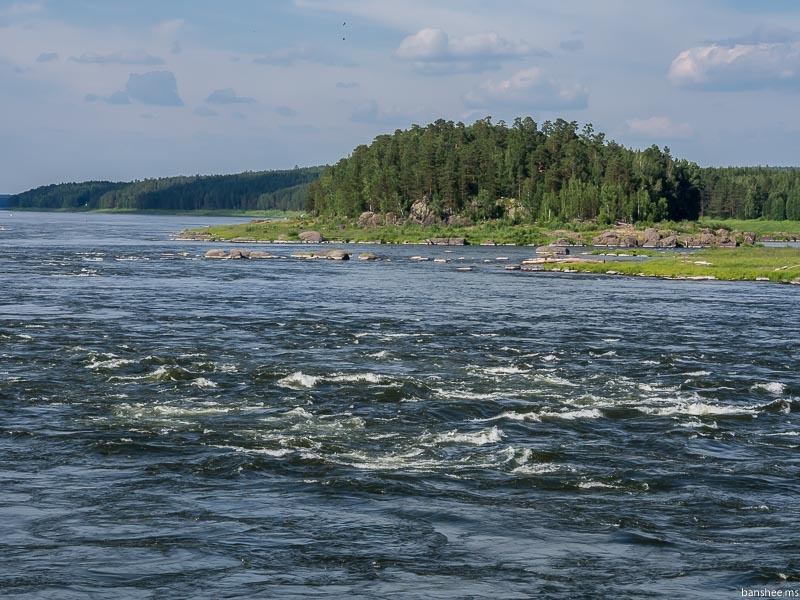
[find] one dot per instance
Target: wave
(773, 387)
(300, 380)
(204, 383)
(493, 435)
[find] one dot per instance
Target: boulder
(552, 250)
(333, 254)
(629, 240)
(311, 237)
(237, 254)
(254, 254)
(370, 219)
(459, 221)
(749, 238)
(670, 241)
(391, 218)
(651, 238)
(367, 256)
(420, 211)
(216, 254)
(606, 238)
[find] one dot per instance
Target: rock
(795, 281)
(708, 239)
(391, 218)
(749, 238)
(670, 241)
(512, 268)
(370, 219)
(421, 212)
(651, 238)
(261, 255)
(488, 243)
(606, 238)
(311, 237)
(237, 254)
(194, 236)
(333, 254)
(725, 240)
(552, 250)
(367, 256)
(459, 221)
(216, 254)
(629, 240)
(446, 242)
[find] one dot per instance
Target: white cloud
(659, 127)
(228, 96)
(433, 50)
(739, 65)
(136, 57)
(529, 90)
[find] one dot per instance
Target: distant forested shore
(451, 173)
(244, 192)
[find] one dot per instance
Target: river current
(176, 427)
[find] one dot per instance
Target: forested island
(250, 191)
(544, 173)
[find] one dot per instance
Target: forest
(253, 190)
(548, 172)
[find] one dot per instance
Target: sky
(130, 89)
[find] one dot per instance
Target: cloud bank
(433, 50)
(764, 60)
(528, 90)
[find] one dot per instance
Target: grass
(758, 226)
(780, 265)
(344, 230)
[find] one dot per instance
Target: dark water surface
(174, 427)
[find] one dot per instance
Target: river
(176, 427)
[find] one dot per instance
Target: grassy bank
(752, 263)
(388, 234)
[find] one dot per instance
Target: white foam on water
(609, 353)
(549, 358)
(696, 374)
(111, 363)
(226, 368)
(611, 340)
(357, 378)
(459, 394)
(264, 451)
(204, 383)
(697, 409)
(536, 469)
(379, 355)
(551, 379)
(298, 380)
(572, 415)
(590, 484)
(23, 336)
(492, 435)
(650, 387)
(773, 387)
(298, 411)
(512, 370)
(513, 416)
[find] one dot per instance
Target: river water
(175, 427)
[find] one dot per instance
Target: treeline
(751, 193)
(483, 170)
(547, 172)
(259, 190)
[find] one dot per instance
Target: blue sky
(120, 90)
